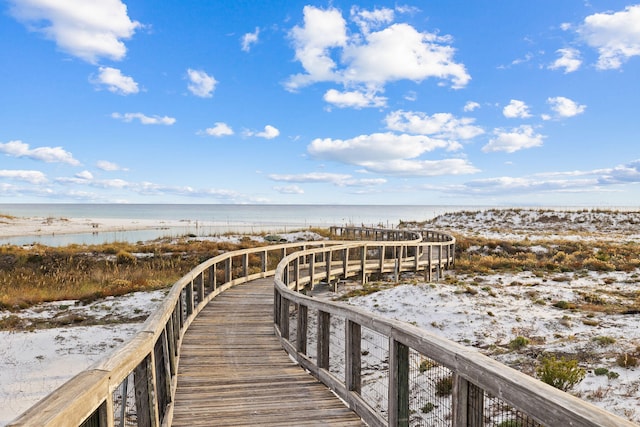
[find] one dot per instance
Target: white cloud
(144, 119)
(368, 19)
(250, 38)
(340, 180)
(86, 29)
(45, 154)
(355, 99)
(86, 175)
(201, 84)
(565, 107)
(615, 35)
(371, 59)
(269, 132)
(471, 106)
(569, 60)
(374, 148)
(109, 166)
(390, 154)
(516, 109)
(440, 125)
(115, 81)
(30, 176)
(404, 167)
(219, 129)
(289, 189)
(511, 141)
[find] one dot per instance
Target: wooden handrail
(475, 378)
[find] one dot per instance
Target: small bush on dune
(561, 373)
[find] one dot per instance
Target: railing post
(468, 403)
(200, 287)
(228, 269)
(312, 267)
(327, 266)
(301, 329)
(284, 317)
(213, 282)
(245, 265)
(145, 403)
(189, 297)
(363, 264)
(324, 333)
(264, 256)
(353, 340)
(398, 384)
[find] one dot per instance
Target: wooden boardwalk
(233, 371)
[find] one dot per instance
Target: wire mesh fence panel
(337, 347)
(375, 370)
(124, 403)
(430, 390)
(498, 413)
(312, 335)
(293, 323)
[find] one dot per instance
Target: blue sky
(481, 102)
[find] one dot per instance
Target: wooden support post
(398, 384)
(189, 298)
(468, 403)
(228, 270)
(284, 318)
(200, 287)
(345, 262)
(327, 266)
(363, 264)
(146, 410)
(324, 335)
(296, 273)
(301, 329)
(353, 340)
(245, 265)
(264, 256)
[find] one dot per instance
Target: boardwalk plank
(233, 371)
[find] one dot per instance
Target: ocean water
(219, 218)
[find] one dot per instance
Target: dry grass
(41, 273)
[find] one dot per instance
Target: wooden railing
(393, 373)
(136, 384)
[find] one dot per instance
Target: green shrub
(518, 342)
(604, 340)
(444, 386)
(627, 360)
(428, 407)
(561, 373)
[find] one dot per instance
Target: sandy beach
(41, 226)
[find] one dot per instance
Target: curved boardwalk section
(233, 370)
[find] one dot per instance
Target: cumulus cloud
(354, 99)
(471, 106)
(144, 119)
(30, 176)
(289, 189)
(565, 107)
(517, 139)
(115, 81)
(439, 125)
(250, 38)
(569, 60)
(369, 57)
(614, 35)
(219, 129)
(371, 19)
(109, 166)
(340, 180)
(45, 154)
(390, 153)
(200, 83)
(86, 29)
(410, 167)
(269, 132)
(516, 109)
